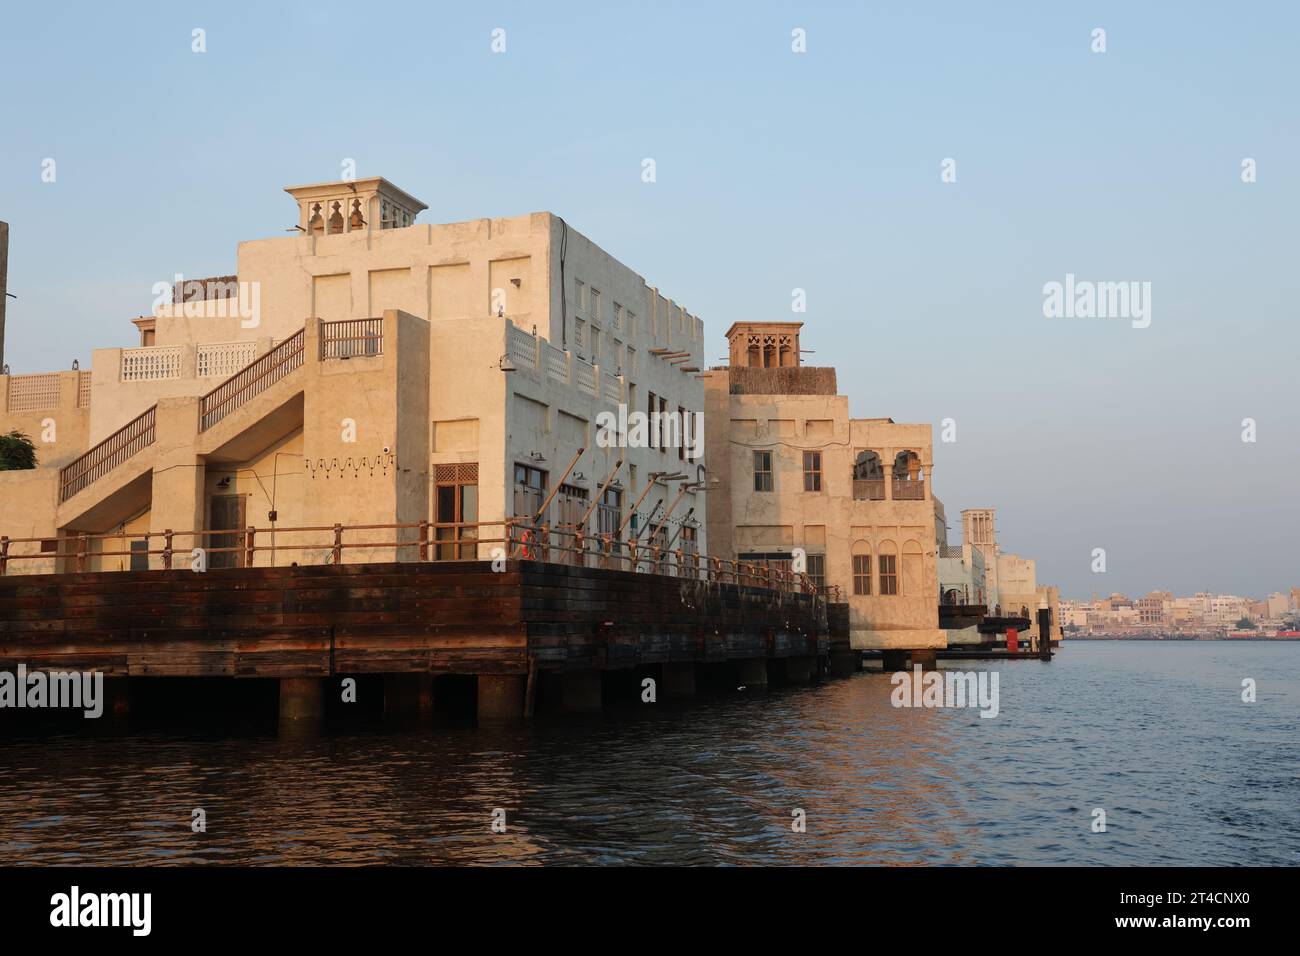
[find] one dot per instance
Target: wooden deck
(455, 617)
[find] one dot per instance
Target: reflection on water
(1154, 734)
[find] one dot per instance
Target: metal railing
(868, 489)
(515, 539)
(351, 338)
(107, 455)
(251, 380)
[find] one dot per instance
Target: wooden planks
(433, 617)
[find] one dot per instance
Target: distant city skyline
(775, 171)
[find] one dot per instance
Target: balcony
(907, 489)
(868, 489)
(351, 338)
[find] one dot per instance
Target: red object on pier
(1012, 636)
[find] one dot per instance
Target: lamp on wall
(505, 365)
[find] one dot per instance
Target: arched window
(909, 477)
(868, 477)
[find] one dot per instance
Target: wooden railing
(253, 379)
(909, 489)
(351, 338)
(107, 455)
(513, 539)
(868, 489)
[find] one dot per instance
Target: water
(1155, 734)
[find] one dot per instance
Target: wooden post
(83, 544)
(530, 690)
(249, 534)
(424, 540)
(1044, 633)
(4, 552)
(338, 544)
(167, 549)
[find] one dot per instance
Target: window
(610, 511)
(682, 438)
(862, 574)
(530, 491)
(812, 471)
(140, 555)
(762, 471)
(595, 306)
(456, 503)
(618, 316)
(663, 417)
(817, 570)
(572, 502)
(650, 406)
(888, 574)
(579, 332)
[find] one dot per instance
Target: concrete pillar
(925, 658)
(893, 660)
(678, 679)
(178, 497)
(800, 669)
(844, 663)
(500, 695)
(300, 698)
(117, 698)
(752, 672)
(408, 695)
(582, 691)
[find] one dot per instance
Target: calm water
(1156, 734)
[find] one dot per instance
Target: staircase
(107, 455)
(253, 379)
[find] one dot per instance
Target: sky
(775, 170)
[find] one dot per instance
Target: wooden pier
(511, 628)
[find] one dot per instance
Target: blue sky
(775, 170)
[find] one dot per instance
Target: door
(226, 514)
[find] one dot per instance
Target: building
(789, 469)
(369, 369)
(1010, 582)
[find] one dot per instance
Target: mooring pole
(1044, 632)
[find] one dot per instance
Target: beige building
(789, 469)
(367, 369)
